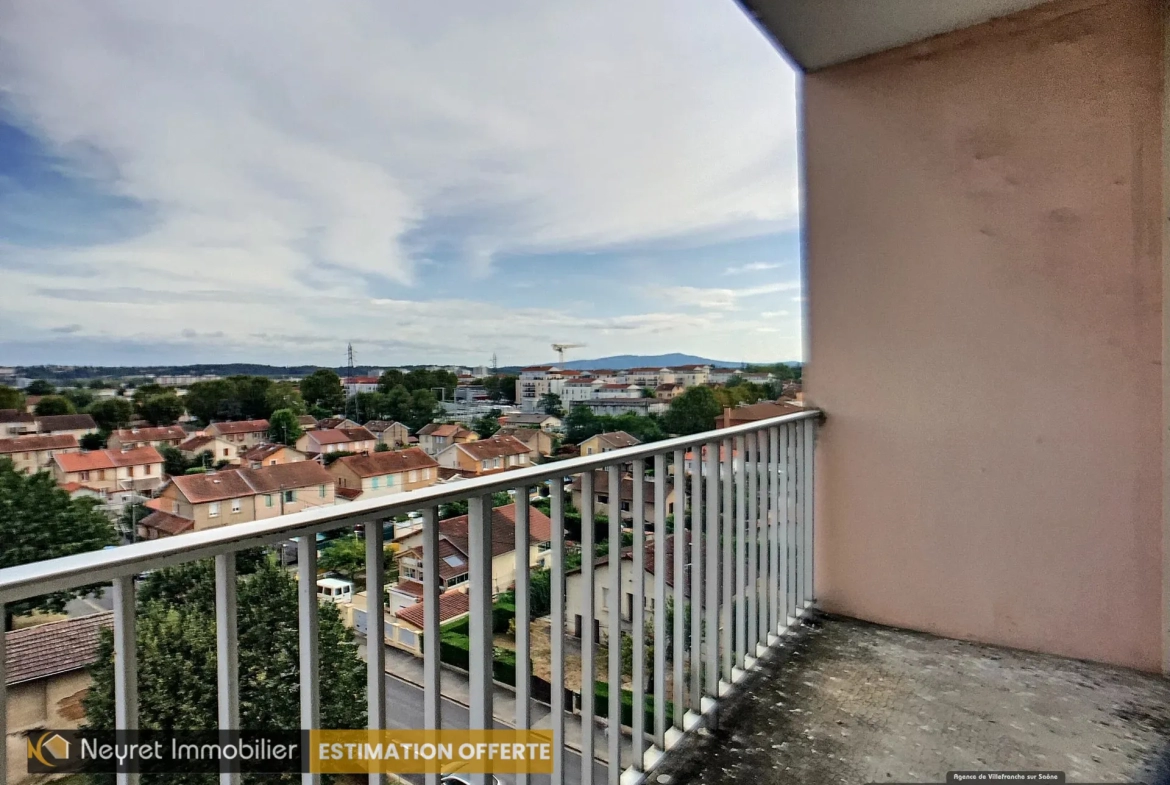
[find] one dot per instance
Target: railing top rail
(69, 572)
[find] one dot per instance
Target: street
(404, 702)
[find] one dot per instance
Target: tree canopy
(550, 403)
(11, 398)
(39, 521)
(244, 397)
(418, 379)
(284, 427)
(111, 413)
(582, 424)
(54, 404)
(162, 408)
(322, 389)
(346, 555)
(692, 412)
(175, 625)
(486, 425)
(40, 387)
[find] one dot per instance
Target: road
(404, 702)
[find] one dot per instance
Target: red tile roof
(495, 447)
(452, 557)
(66, 422)
(341, 436)
(54, 648)
(452, 604)
(106, 459)
(13, 415)
(166, 523)
(237, 483)
(442, 429)
(196, 443)
(348, 493)
(407, 586)
(389, 462)
(240, 426)
(758, 411)
(262, 451)
(617, 439)
(503, 529)
(159, 434)
(34, 442)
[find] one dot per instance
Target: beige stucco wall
(984, 284)
(47, 703)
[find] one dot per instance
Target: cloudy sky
(266, 181)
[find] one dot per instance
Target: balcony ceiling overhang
(819, 33)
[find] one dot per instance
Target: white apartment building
(535, 382)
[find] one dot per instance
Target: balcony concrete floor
(850, 702)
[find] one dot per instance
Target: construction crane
(559, 348)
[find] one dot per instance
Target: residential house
(319, 442)
(389, 432)
(16, 423)
(30, 403)
(601, 500)
(435, 437)
(616, 406)
(307, 422)
(454, 549)
(668, 392)
(140, 469)
(248, 433)
(157, 437)
(485, 456)
(545, 422)
(271, 455)
(756, 411)
(330, 423)
(77, 425)
(607, 442)
(220, 449)
(246, 494)
(540, 443)
(159, 524)
(603, 604)
(31, 454)
(452, 605)
(46, 678)
(385, 473)
(691, 375)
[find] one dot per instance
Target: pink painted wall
(984, 281)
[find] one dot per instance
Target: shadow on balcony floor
(850, 702)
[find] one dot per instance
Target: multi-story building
(359, 384)
(389, 432)
(622, 405)
(544, 422)
(691, 375)
(577, 390)
(540, 443)
(646, 377)
(16, 423)
(383, 473)
(319, 442)
(140, 469)
(158, 437)
(248, 433)
(668, 392)
(535, 382)
(619, 390)
(218, 448)
(435, 437)
(32, 453)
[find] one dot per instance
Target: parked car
(334, 590)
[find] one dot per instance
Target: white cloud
(753, 267)
(286, 150)
(722, 299)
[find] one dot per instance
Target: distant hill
(624, 361)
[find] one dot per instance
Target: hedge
(502, 615)
(601, 706)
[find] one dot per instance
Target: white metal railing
(746, 539)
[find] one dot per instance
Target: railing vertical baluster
(3, 701)
(726, 642)
(752, 540)
(227, 664)
(638, 622)
(556, 630)
(523, 617)
(614, 633)
(680, 577)
(432, 692)
(773, 532)
(125, 664)
(798, 500)
(785, 470)
(479, 525)
(588, 640)
(741, 553)
(762, 527)
(793, 555)
(660, 535)
(711, 600)
(375, 632)
(309, 640)
(810, 435)
(696, 639)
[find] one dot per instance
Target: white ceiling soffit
(819, 33)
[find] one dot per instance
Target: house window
(374, 482)
(486, 464)
(268, 500)
(625, 506)
(497, 463)
(146, 469)
(290, 496)
(413, 476)
(213, 510)
(84, 476)
(389, 480)
(604, 598)
(225, 452)
(523, 459)
(321, 491)
(426, 474)
(235, 505)
(457, 580)
(588, 450)
(602, 498)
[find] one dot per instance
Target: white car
(463, 779)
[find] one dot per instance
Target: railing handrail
(69, 572)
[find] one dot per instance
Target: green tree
(284, 395)
(40, 387)
(284, 428)
(110, 414)
(397, 403)
(174, 462)
(80, 398)
(346, 555)
(211, 400)
(93, 441)
(423, 409)
(11, 398)
(163, 408)
(252, 394)
(175, 626)
(550, 403)
(100, 384)
(582, 424)
(40, 521)
(692, 412)
(144, 391)
(486, 425)
(381, 447)
(54, 404)
(323, 388)
(391, 379)
(500, 388)
(330, 457)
